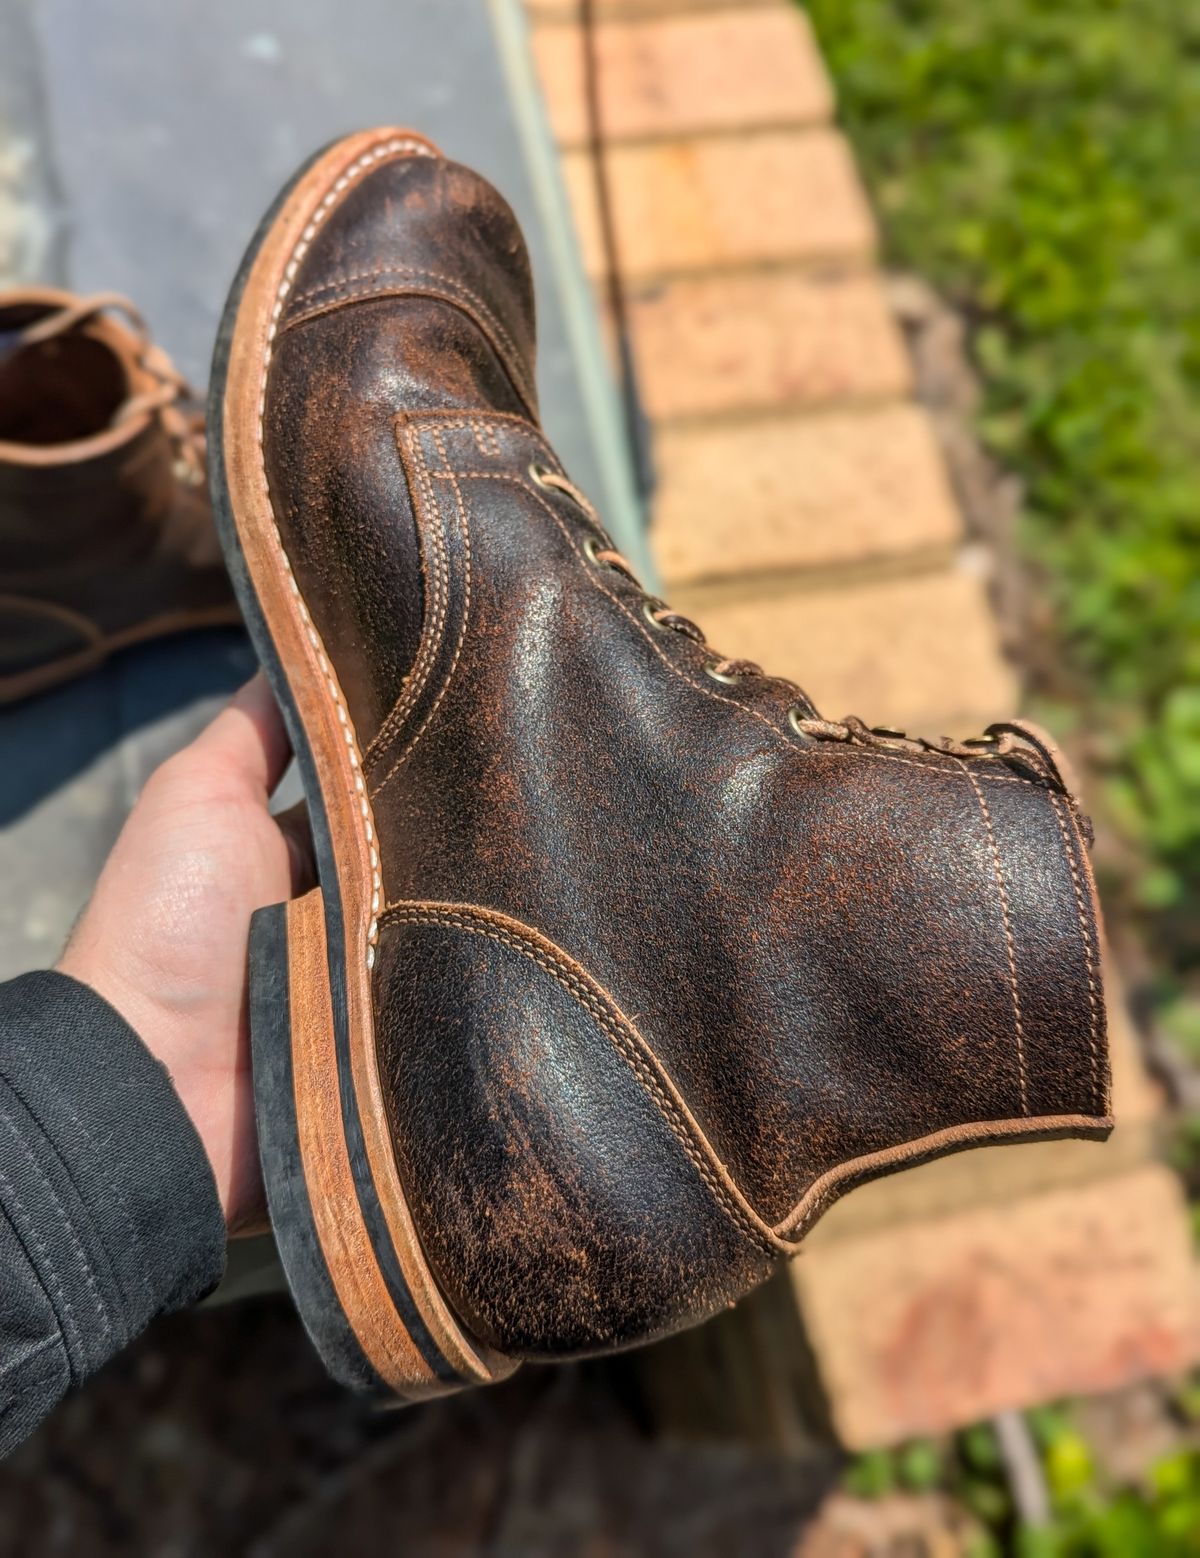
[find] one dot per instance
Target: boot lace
(1018, 740)
(169, 395)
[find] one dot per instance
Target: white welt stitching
(399, 145)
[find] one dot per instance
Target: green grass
(1040, 164)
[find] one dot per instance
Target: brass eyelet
(539, 472)
(591, 548)
(648, 610)
(794, 718)
(723, 677)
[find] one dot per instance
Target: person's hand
(164, 936)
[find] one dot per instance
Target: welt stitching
(783, 740)
(1008, 935)
(398, 146)
(466, 612)
(399, 914)
(1086, 937)
(414, 682)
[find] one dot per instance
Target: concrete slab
(139, 145)
(175, 126)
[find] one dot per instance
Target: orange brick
(768, 339)
(643, 10)
(796, 492)
(929, 1326)
(690, 205)
(716, 70)
(920, 653)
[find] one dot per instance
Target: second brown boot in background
(106, 535)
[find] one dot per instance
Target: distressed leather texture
(659, 976)
(99, 536)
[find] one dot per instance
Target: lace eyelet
(724, 677)
(794, 720)
(539, 472)
(591, 548)
(648, 610)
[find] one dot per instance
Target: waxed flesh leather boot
(106, 533)
(625, 962)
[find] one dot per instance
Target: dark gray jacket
(108, 1209)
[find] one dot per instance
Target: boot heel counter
(555, 1198)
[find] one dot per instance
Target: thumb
(248, 737)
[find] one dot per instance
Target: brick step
(799, 492)
(767, 340)
(929, 1326)
(643, 10)
(695, 72)
(919, 652)
(724, 201)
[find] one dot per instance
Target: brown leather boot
(106, 533)
(624, 964)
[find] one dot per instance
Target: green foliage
(1160, 1518)
(1069, 1467)
(1162, 1521)
(1038, 163)
(920, 1466)
(871, 1475)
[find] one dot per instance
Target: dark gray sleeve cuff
(105, 1188)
